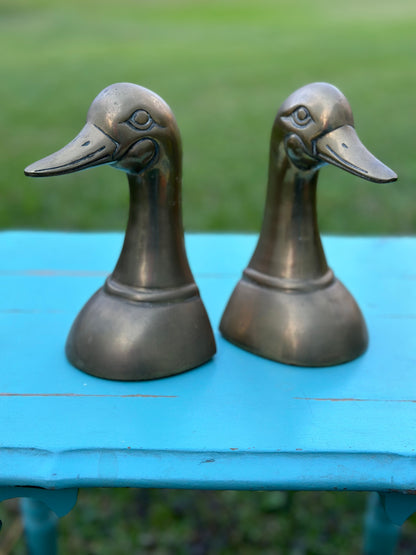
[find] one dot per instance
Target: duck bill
(343, 148)
(91, 147)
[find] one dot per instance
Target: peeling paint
(50, 273)
(134, 395)
(354, 400)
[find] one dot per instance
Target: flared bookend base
(319, 325)
(121, 339)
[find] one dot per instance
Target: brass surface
(148, 320)
(288, 305)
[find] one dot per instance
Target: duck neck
(153, 254)
(289, 245)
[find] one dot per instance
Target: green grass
(224, 67)
(172, 522)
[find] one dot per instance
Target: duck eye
(301, 116)
(141, 120)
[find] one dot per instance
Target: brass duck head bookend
(289, 306)
(148, 320)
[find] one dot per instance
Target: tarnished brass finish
(148, 320)
(289, 306)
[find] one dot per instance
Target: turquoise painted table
(238, 422)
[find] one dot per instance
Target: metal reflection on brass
(148, 320)
(288, 305)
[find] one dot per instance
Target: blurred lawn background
(224, 67)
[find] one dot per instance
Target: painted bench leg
(40, 522)
(381, 535)
(40, 525)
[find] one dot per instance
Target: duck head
(128, 126)
(289, 306)
(316, 126)
(128, 330)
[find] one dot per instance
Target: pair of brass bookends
(148, 320)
